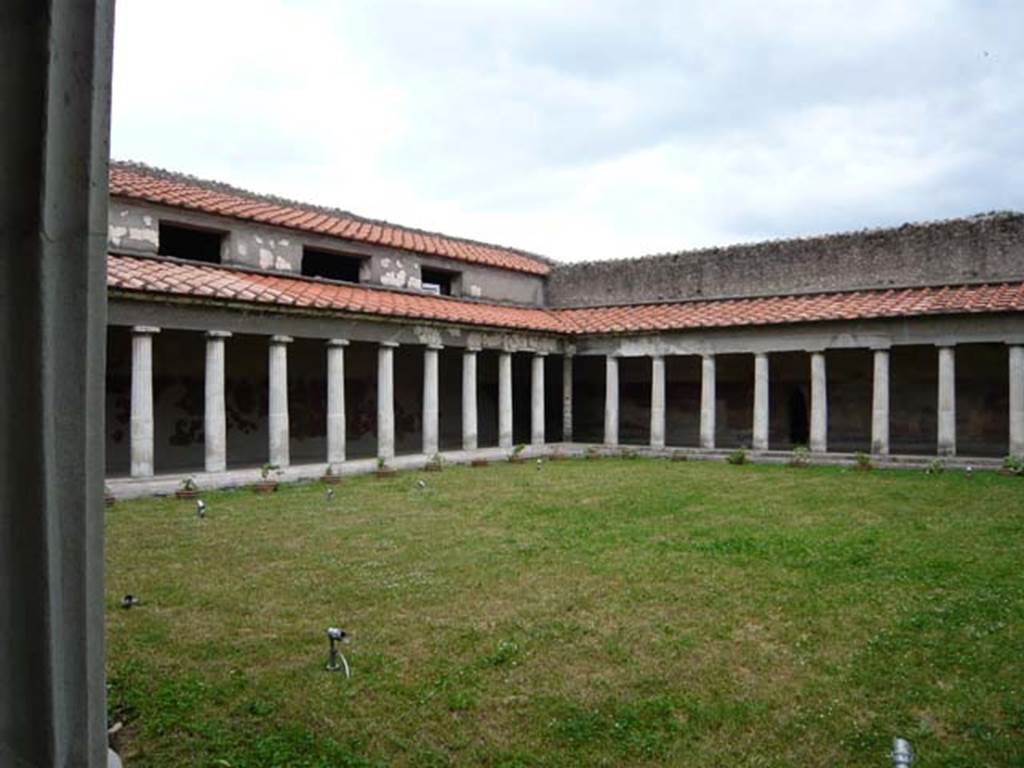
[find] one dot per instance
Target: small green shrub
(800, 457)
(1014, 465)
(737, 457)
(862, 461)
(935, 467)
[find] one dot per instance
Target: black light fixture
(129, 600)
(336, 660)
(200, 509)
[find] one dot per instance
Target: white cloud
(585, 130)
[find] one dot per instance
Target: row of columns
(215, 422)
(946, 438)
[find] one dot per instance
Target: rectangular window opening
(190, 243)
(437, 281)
(333, 266)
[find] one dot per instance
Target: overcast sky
(587, 129)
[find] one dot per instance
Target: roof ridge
(260, 197)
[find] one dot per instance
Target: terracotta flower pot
(184, 494)
(265, 486)
(516, 459)
(330, 479)
(432, 468)
(479, 463)
(386, 472)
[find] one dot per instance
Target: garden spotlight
(335, 636)
(200, 509)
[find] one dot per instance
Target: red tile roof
(135, 181)
(132, 274)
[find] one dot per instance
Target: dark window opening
(333, 266)
(437, 281)
(799, 423)
(189, 243)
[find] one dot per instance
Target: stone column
(819, 403)
(611, 401)
(278, 428)
(537, 398)
(567, 398)
(759, 441)
(430, 423)
(214, 419)
(469, 426)
(505, 400)
(947, 401)
(386, 400)
(880, 404)
(657, 401)
(707, 401)
(336, 401)
(142, 401)
(1017, 400)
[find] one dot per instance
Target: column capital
(708, 355)
(218, 334)
(337, 342)
(539, 353)
(815, 350)
(276, 339)
(471, 349)
(657, 355)
(881, 346)
(945, 344)
(1017, 343)
(435, 347)
(389, 344)
(144, 330)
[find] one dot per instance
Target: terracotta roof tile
(160, 276)
(139, 182)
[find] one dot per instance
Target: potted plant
(108, 496)
(1013, 465)
(266, 484)
(862, 462)
(516, 457)
(592, 453)
(737, 457)
(436, 463)
(187, 489)
(329, 477)
(383, 470)
(479, 461)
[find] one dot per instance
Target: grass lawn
(612, 612)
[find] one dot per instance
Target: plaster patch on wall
(474, 291)
(243, 249)
(258, 239)
(115, 234)
(144, 235)
(282, 263)
(396, 279)
(266, 258)
(427, 335)
(385, 262)
(283, 242)
(147, 220)
(414, 282)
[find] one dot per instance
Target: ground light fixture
(421, 484)
(902, 754)
(200, 509)
(330, 494)
(336, 660)
(129, 600)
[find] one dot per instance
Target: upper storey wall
(135, 228)
(986, 248)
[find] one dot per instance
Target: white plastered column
(142, 401)
(214, 417)
(657, 401)
(537, 398)
(1017, 400)
(469, 413)
(386, 400)
(567, 397)
(759, 440)
(611, 400)
(707, 401)
(947, 402)
(880, 404)
(278, 427)
(430, 409)
(819, 403)
(505, 400)
(336, 421)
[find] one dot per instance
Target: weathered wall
(982, 248)
(135, 228)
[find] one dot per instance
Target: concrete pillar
(215, 426)
(1017, 400)
(611, 400)
(657, 401)
(336, 401)
(567, 398)
(707, 401)
(469, 426)
(880, 404)
(278, 427)
(430, 411)
(505, 400)
(947, 401)
(759, 441)
(386, 400)
(142, 401)
(537, 398)
(819, 403)
(55, 91)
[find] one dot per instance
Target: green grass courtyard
(606, 613)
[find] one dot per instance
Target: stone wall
(978, 249)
